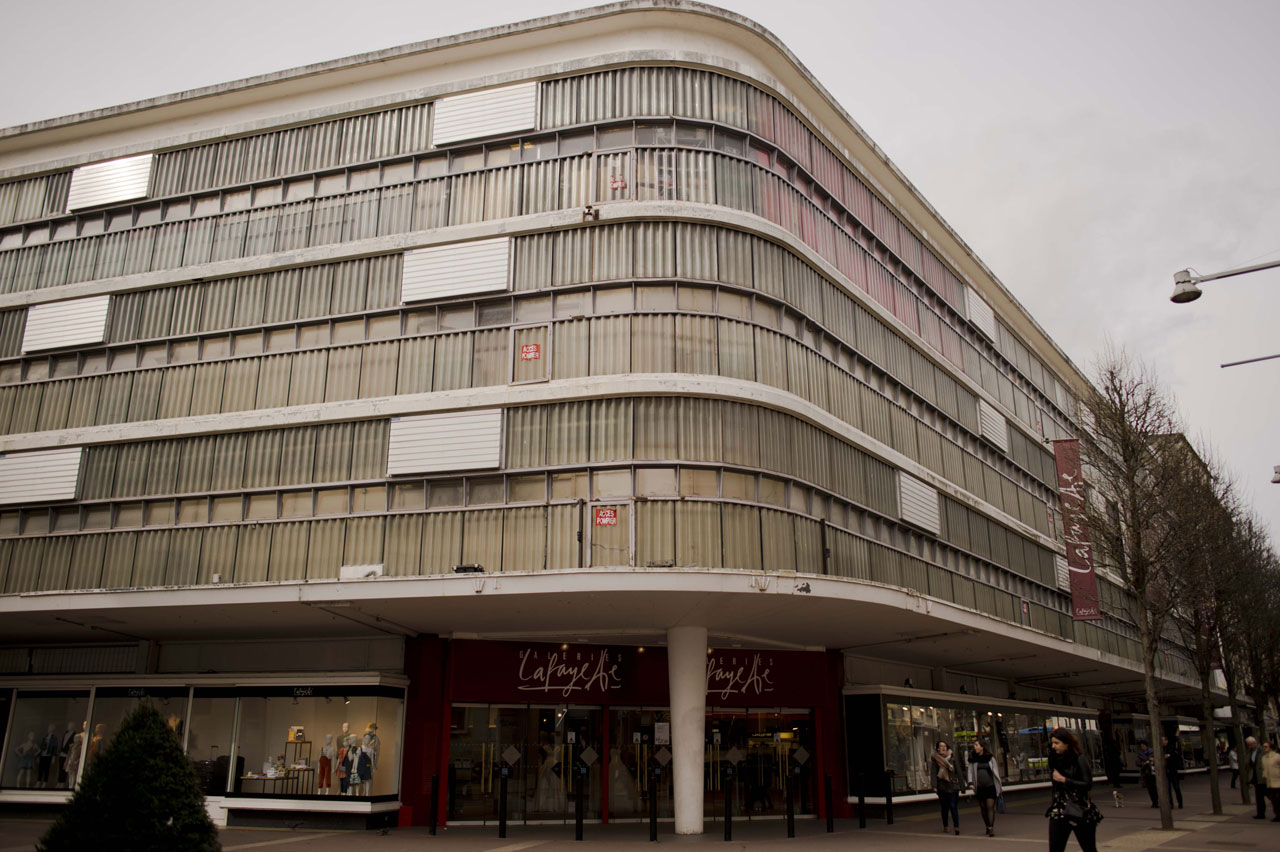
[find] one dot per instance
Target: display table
(293, 782)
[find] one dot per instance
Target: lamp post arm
(1257, 267)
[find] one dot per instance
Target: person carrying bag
(1071, 809)
(946, 782)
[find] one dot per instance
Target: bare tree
(1236, 579)
(1205, 519)
(1260, 621)
(1137, 474)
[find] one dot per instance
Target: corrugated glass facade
(683, 331)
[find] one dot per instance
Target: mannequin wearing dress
(26, 754)
(372, 741)
(549, 796)
(72, 764)
(67, 738)
(622, 786)
(328, 754)
(364, 766)
(96, 742)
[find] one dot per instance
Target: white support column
(687, 672)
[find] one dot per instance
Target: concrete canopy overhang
(596, 605)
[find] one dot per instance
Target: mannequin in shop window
(67, 738)
(623, 797)
(364, 767)
(344, 764)
(373, 742)
(97, 741)
(328, 755)
(49, 747)
(26, 755)
(72, 764)
(549, 796)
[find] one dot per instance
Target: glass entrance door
(547, 745)
(632, 779)
(769, 742)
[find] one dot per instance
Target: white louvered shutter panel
(1064, 574)
(918, 503)
(40, 475)
(993, 426)
(106, 183)
(980, 313)
(481, 266)
(459, 440)
(69, 323)
(488, 113)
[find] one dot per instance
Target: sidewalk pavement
(1133, 828)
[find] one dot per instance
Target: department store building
(586, 400)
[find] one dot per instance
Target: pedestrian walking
(1233, 760)
(1173, 768)
(984, 778)
(1270, 766)
(1253, 775)
(1112, 762)
(1147, 769)
(946, 782)
(1071, 810)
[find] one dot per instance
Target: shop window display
(112, 704)
(1019, 740)
(47, 740)
(307, 742)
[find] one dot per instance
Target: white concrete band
(687, 671)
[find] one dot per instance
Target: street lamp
(1185, 290)
(1185, 281)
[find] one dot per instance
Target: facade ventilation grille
(459, 440)
(476, 115)
(125, 179)
(918, 503)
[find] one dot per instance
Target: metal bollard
(653, 805)
(831, 817)
(582, 782)
(502, 803)
(888, 798)
(728, 802)
(791, 809)
(433, 810)
(862, 800)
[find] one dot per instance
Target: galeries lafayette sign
(511, 671)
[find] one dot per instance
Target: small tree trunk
(1207, 737)
(1237, 725)
(1153, 709)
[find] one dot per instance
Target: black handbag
(1071, 809)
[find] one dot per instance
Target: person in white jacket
(984, 778)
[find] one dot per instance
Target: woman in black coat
(1071, 808)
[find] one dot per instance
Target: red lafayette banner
(1084, 583)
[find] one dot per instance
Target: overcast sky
(1084, 150)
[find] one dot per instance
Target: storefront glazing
(288, 741)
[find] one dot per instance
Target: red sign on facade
(1084, 583)
(606, 516)
(617, 182)
(530, 351)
